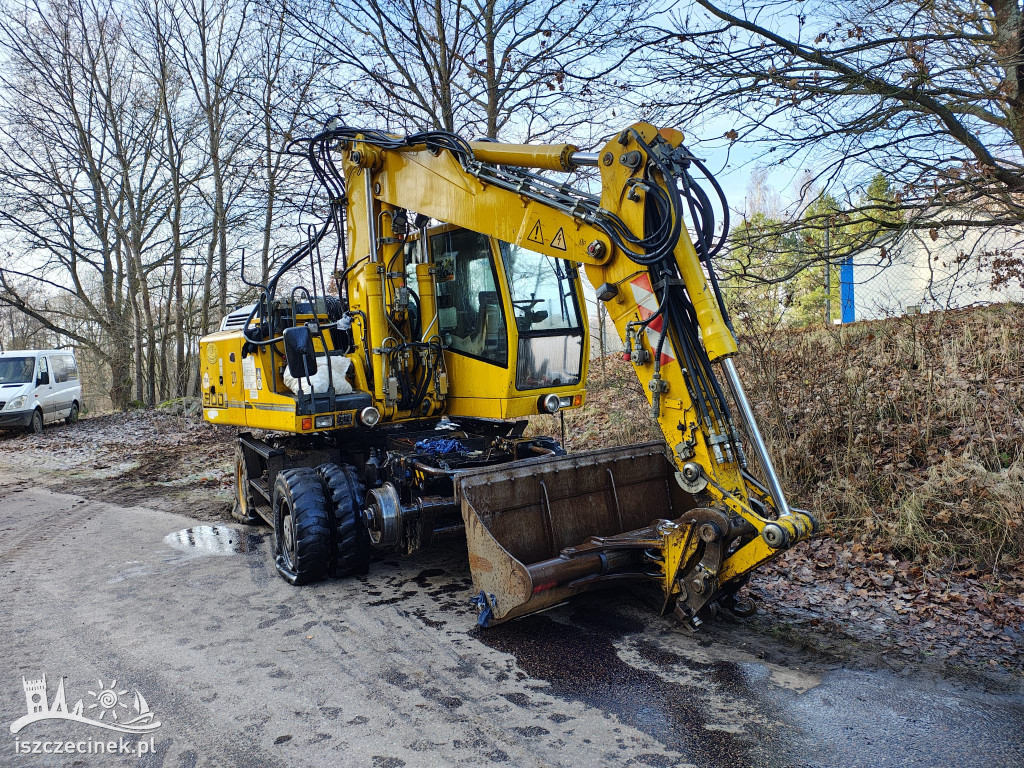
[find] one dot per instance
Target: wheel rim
(37, 422)
(289, 539)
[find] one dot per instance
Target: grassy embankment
(906, 434)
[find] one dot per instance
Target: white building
(944, 268)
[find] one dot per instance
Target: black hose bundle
(666, 215)
(669, 199)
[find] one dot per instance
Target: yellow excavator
(390, 398)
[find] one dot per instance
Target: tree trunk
(120, 366)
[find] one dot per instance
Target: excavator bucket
(542, 530)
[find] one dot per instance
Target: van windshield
(16, 370)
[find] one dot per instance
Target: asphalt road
(387, 671)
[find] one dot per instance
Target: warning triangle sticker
(558, 241)
(536, 235)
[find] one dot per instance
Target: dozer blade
(542, 530)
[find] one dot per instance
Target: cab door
(471, 321)
(63, 384)
(511, 323)
(44, 388)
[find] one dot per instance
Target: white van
(38, 386)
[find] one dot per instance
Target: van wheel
(36, 425)
(302, 533)
(72, 418)
(244, 510)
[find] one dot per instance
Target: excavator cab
(511, 322)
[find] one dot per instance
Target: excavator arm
(662, 297)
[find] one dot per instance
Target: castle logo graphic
(106, 709)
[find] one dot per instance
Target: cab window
(469, 310)
(547, 316)
(542, 290)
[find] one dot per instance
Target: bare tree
(157, 20)
(140, 152)
(928, 94)
(210, 36)
(283, 94)
(133, 112)
(60, 174)
(521, 68)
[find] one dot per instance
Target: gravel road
(389, 670)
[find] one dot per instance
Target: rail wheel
(302, 527)
(244, 510)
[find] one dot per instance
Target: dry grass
(907, 434)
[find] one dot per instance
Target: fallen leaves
(891, 443)
(966, 618)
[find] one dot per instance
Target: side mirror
(42, 378)
(299, 352)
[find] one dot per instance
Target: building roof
(23, 352)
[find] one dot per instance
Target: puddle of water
(214, 540)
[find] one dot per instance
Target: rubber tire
(36, 425)
(244, 508)
(334, 308)
(72, 418)
(351, 541)
(300, 503)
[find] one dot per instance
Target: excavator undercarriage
(386, 407)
